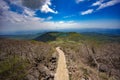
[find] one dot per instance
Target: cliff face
(26, 60)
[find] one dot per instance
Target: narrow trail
(62, 72)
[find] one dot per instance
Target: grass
(85, 71)
(72, 37)
(13, 68)
(103, 76)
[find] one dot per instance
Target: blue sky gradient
(17, 15)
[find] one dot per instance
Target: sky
(28, 15)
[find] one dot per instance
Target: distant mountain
(53, 35)
(74, 36)
(50, 36)
(96, 30)
(21, 37)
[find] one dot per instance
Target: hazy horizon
(84, 30)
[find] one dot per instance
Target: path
(62, 72)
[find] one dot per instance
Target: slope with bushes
(89, 56)
(26, 60)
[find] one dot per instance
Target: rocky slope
(26, 60)
(94, 57)
(93, 63)
(88, 56)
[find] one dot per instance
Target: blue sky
(25, 15)
(72, 10)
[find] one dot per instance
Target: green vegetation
(21, 59)
(13, 67)
(103, 76)
(73, 37)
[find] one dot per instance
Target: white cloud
(45, 8)
(97, 3)
(9, 16)
(28, 12)
(102, 4)
(109, 3)
(24, 10)
(78, 1)
(43, 5)
(89, 11)
(17, 2)
(3, 5)
(49, 18)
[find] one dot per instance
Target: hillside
(26, 60)
(50, 36)
(73, 36)
(89, 56)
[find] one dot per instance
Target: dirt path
(62, 72)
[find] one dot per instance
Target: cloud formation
(97, 3)
(101, 4)
(27, 13)
(43, 5)
(45, 8)
(49, 18)
(78, 1)
(33, 4)
(7, 15)
(26, 20)
(89, 11)
(107, 4)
